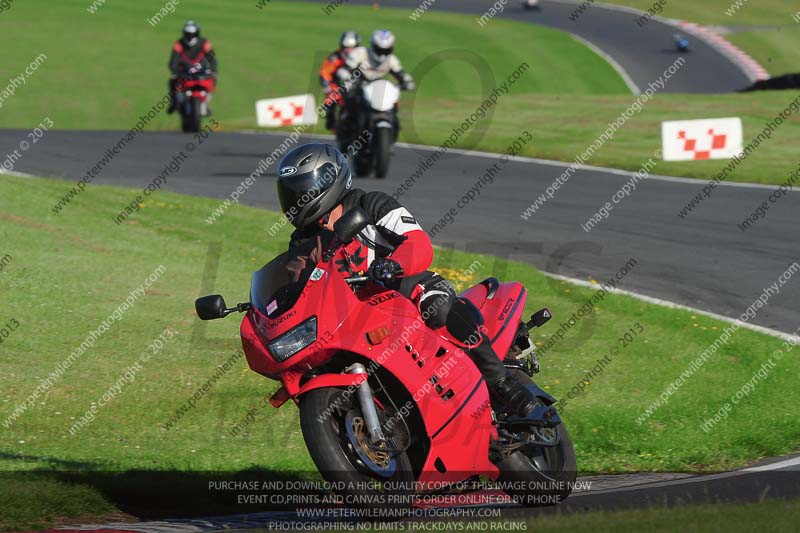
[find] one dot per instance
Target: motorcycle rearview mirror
(210, 307)
(539, 318)
(213, 307)
(350, 224)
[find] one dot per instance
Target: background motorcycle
(193, 96)
(370, 108)
(681, 43)
(385, 400)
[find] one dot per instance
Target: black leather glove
(407, 83)
(384, 269)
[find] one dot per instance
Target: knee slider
(434, 306)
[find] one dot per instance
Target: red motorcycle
(193, 95)
(388, 403)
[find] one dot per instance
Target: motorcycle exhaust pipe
(367, 405)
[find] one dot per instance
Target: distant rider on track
(328, 78)
(379, 61)
(376, 63)
(187, 52)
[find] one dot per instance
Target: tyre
(538, 475)
(377, 483)
(381, 147)
(190, 120)
(362, 165)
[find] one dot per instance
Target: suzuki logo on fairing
(379, 299)
(287, 171)
(276, 321)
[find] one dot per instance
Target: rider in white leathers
(378, 61)
(365, 65)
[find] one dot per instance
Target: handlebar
(363, 279)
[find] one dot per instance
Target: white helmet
(382, 43)
(349, 39)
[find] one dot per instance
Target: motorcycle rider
(376, 63)
(379, 60)
(315, 189)
(328, 75)
(681, 42)
(188, 51)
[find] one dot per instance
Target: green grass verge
(777, 50)
(69, 272)
(752, 12)
(582, 120)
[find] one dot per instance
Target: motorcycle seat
(485, 290)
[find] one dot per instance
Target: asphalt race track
(778, 478)
(703, 261)
(642, 52)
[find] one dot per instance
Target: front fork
(367, 405)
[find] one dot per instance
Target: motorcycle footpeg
(541, 416)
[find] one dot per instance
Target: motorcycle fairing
(502, 312)
(445, 385)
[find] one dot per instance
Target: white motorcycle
(368, 127)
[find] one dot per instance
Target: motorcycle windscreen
(272, 291)
(382, 95)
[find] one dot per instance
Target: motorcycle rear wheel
(324, 416)
(362, 165)
(540, 475)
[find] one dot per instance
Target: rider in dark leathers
(187, 52)
(315, 188)
(329, 79)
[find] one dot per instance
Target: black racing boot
(173, 86)
(517, 399)
(464, 326)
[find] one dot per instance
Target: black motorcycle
(368, 127)
(193, 95)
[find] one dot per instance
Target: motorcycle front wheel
(538, 475)
(191, 117)
(382, 146)
(362, 165)
(377, 482)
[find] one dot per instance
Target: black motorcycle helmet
(312, 180)
(191, 32)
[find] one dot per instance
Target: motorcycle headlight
(294, 340)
